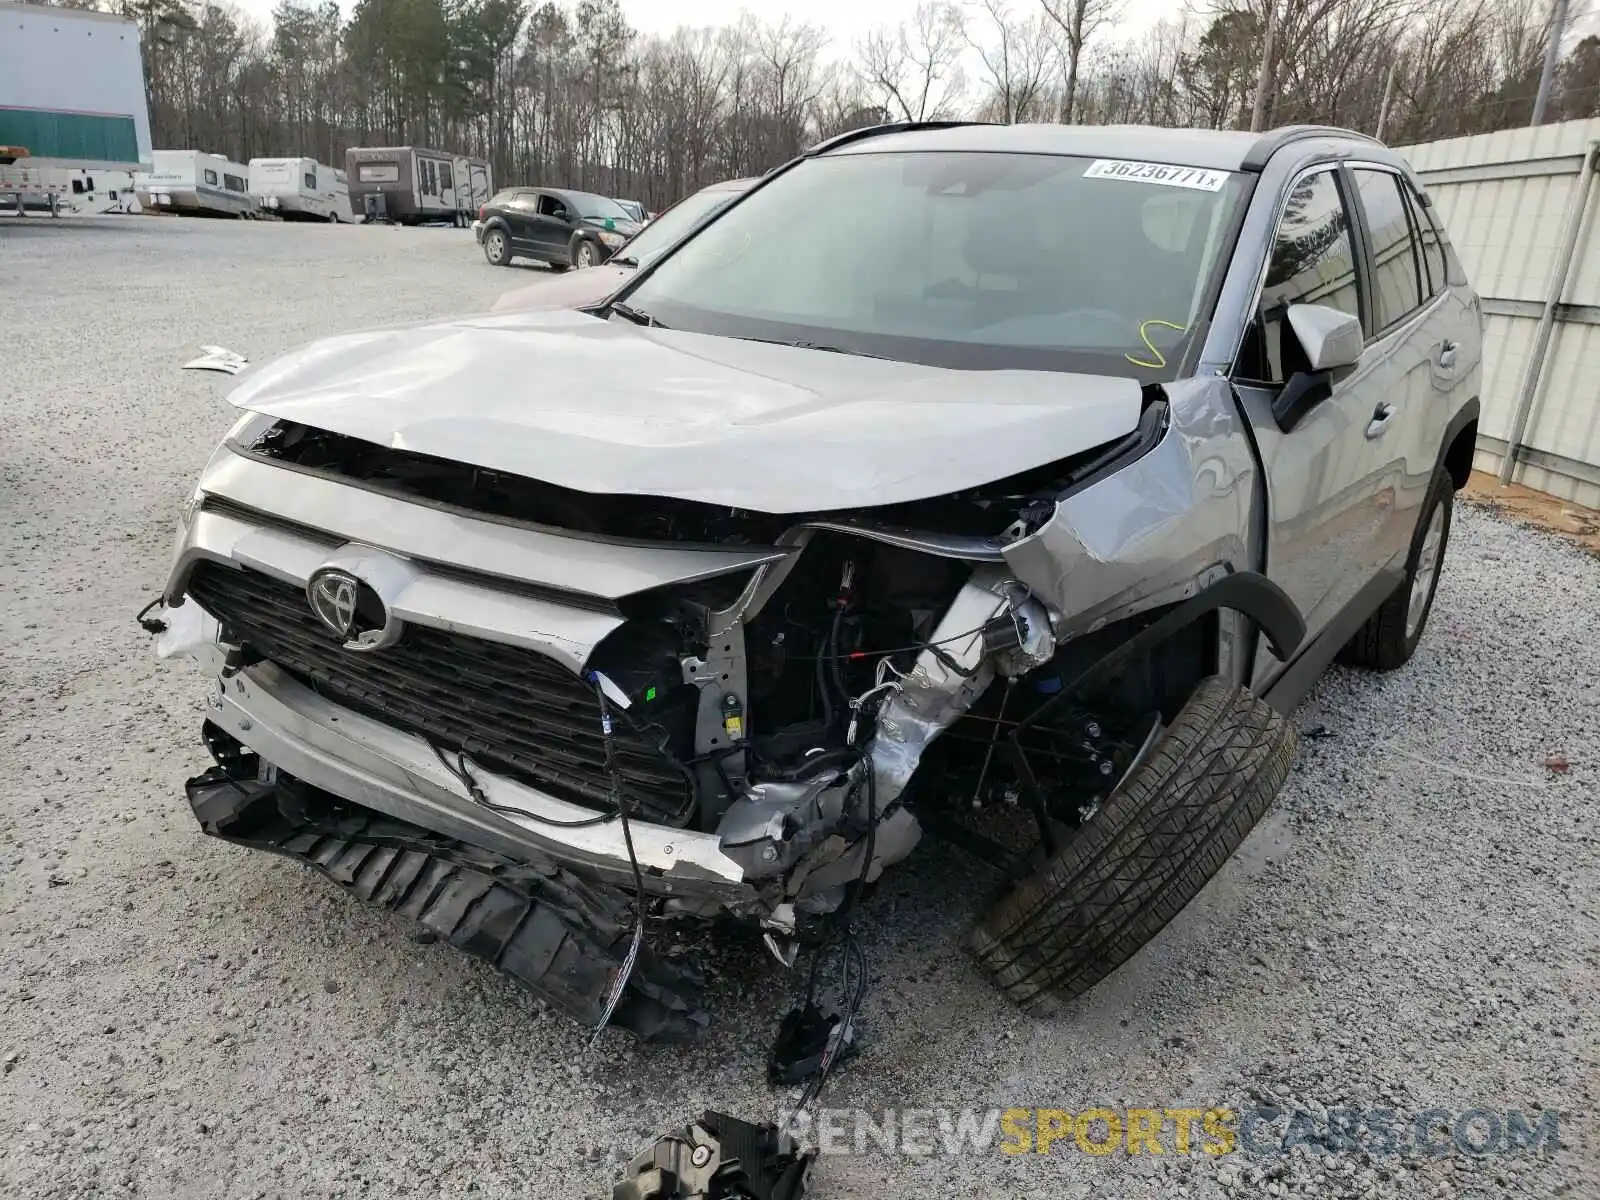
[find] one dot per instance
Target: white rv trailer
(90, 192)
(412, 185)
(476, 173)
(58, 190)
(191, 181)
(71, 99)
(300, 189)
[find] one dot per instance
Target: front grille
(511, 709)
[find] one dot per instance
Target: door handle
(1447, 355)
(1381, 416)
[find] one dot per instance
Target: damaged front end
(499, 705)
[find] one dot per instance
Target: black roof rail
(1273, 140)
(866, 131)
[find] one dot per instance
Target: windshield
(598, 207)
(961, 259)
(656, 238)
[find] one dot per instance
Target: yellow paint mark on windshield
(1160, 358)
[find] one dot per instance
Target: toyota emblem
(333, 600)
(353, 594)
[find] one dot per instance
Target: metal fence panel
(1506, 199)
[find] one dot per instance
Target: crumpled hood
(606, 406)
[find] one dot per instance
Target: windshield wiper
(804, 345)
(637, 315)
(627, 260)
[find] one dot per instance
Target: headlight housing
(611, 240)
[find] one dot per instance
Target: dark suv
(554, 226)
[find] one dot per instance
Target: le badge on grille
(353, 594)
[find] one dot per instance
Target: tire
(1163, 833)
(584, 254)
(1391, 635)
(497, 247)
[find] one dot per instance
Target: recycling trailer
(410, 185)
(71, 98)
(196, 183)
(300, 189)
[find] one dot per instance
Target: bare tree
(1016, 53)
(1078, 20)
(916, 70)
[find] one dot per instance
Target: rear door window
(1397, 286)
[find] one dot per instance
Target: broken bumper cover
(563, 939)
(379, 767)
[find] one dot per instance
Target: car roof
(1216, 149)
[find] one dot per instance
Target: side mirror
(1331, 342)
(1330, 339)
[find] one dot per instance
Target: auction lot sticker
(1198, 178)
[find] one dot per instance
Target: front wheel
(497, 248)
(1391, 635)
(1166, 830)
(584, 255)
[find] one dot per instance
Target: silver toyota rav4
(1000, 484)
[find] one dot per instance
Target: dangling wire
(620, 985)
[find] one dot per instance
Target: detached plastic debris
(218, 358)
(808, 1039)
(718, 1157)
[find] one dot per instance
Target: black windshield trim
(928, 352)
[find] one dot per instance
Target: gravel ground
(1413, 925)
